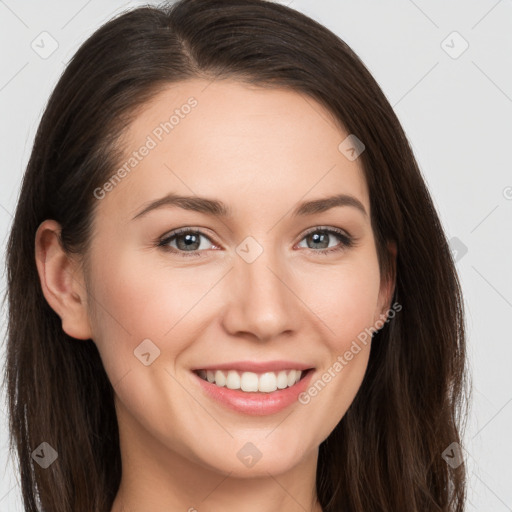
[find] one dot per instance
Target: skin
(260, 151)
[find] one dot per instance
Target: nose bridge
(262, 303)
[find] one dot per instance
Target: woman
(228, 285)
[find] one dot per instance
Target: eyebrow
(219, 209)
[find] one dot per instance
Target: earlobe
(388, 285)
(61, 281)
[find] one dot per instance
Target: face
(255, 287)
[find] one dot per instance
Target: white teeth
(248, 381)
(220, 378)
(267, 382)
(282, 380)
(233, 380)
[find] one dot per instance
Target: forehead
(240, 143)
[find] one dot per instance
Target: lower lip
(256, 404)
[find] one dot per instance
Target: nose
(262, 302)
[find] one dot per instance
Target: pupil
(321, 239)
(189, 240)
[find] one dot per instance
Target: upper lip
(256, 367)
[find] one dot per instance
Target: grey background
(456, 110)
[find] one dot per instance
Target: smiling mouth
(250, 382)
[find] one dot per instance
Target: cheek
(346, 305)
(345, 298)
(134, 301)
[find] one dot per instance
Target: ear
(62, 281)
(387, 286)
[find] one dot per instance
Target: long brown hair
(386, 453)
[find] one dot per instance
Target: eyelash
(347, 241)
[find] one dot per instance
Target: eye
(189, 241)
(186, 241)
(321, 238)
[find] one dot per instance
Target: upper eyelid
(338, 231)
(179, 231)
